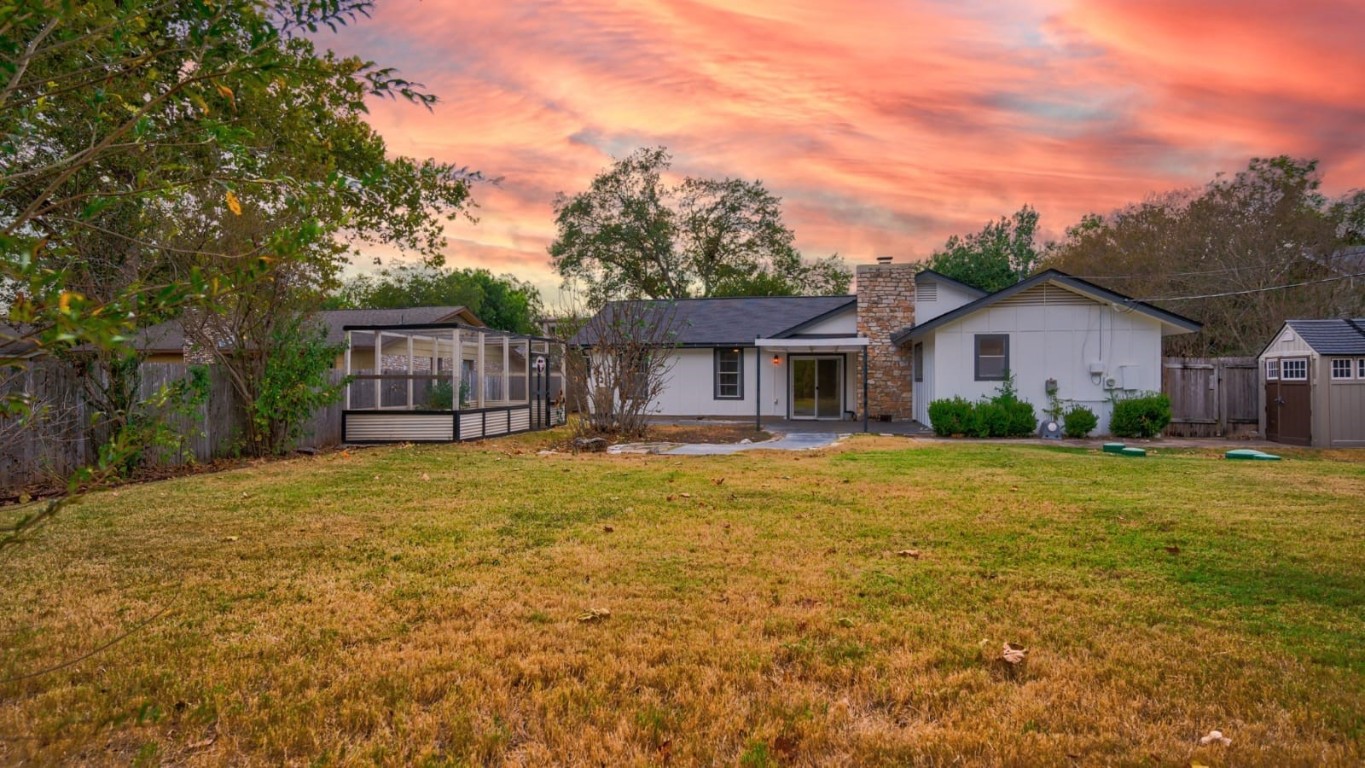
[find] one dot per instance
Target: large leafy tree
(162, 157)
(1241, 254)
(134, 128)
(632, 234)
(1003, 253)
(502, 302)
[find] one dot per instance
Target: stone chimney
(886, 304)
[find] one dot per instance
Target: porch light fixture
(777, 359)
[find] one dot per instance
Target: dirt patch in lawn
(707, 433)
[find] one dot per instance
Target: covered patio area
(816, 380)
(448, 382)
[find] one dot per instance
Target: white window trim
(1272, 364)
(1284, 369)
(1350, 369)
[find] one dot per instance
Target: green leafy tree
(141, 134)
(1003, 253)
(502, 302)
(1241, 254)
(632, 235)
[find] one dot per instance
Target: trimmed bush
(990, 420)
(1080, 421)
(950, 417)
(1142, 416)
(1022, 419)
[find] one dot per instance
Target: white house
(910, 336)
(1053, 333)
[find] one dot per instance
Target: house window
(1272, 369)
(992, 356)
(729, 367)
(1341, 368)
(1295, 369)
(1360, 368)
(919, 361)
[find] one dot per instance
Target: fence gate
(1211, 396)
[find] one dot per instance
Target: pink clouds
(885, 126)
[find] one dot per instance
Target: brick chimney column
(886, 304)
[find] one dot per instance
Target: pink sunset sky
(884, 126)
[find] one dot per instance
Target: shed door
(1288, 412)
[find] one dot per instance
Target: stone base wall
(886, 304)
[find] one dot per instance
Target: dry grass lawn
(422, 605)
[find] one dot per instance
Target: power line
(1257, 290)
(1160, 274)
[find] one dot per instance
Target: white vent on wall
(926, 292)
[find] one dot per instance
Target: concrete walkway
(793, 441)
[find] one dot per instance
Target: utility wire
(1257, 290)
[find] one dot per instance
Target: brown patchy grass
(420, 605)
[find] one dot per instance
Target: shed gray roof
(719, 322)
(1343, 336)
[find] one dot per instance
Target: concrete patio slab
(792, 441)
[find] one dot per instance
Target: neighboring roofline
(1171, 318)
(956, 283)
(443, 326)
(852, 300)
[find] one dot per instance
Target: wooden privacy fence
(56, 442)
(1211, 396)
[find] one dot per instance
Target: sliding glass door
(817, 387)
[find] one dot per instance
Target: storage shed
(1313, 379)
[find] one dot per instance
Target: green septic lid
(1133, 452)
(1249, 454)
(1113, 447)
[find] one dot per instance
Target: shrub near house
(1004, 415)
(1142, 416)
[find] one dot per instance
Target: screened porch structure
(448, 382)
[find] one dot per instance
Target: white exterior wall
(1053, 342)
(845, 323)
(946, 298)
(689, 386)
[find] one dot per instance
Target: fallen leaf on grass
(915, 553)
(230, 539)
(1215, 736)
(426, 478)
(1173, 550)
(607, 529)
(202, 744)
(594, 614)
(1014, 654)
(685, 495)
(718, 480)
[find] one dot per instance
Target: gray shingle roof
(731, 321)
(1332, 337)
